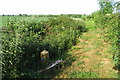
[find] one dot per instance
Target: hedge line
(21, 47)
(111, 26)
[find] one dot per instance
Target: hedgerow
(110, 25)
(21, 48)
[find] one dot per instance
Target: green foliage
(85, 74)
(62, 34)
(21, 48)
(73, 15)
(113, 32)
(97, 53)
(106, 7)
(90, 24)
(80, 62)
(111, 28)
(100, 19)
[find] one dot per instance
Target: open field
(5, 19)
(0, 21)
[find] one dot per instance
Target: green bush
(111, 28)
(113, 34)
(84, 74)
(21, 48)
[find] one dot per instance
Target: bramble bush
(21, 47)
(114, 35)
(111, 27)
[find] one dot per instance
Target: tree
(106, 7)
(117, 6)
(20, 14)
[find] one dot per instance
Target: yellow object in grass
(44, 55)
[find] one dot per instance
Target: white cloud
(48, 6)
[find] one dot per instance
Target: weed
(87, 49)
(84, 74)
(85, 56)
(75, 47)
(81, 62)
(97, 53)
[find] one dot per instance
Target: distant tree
(3, 15)
(89, 16)
(117, 6)
(8, 15)
(24, 14)
(106, 6)
(20, 14)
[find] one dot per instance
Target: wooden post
(44, 55)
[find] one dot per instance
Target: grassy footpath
(92, 57)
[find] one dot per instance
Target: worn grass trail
(93, 58)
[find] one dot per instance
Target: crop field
(61, 46)
(6, 19)
(1, 21)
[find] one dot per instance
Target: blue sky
(48, 6)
